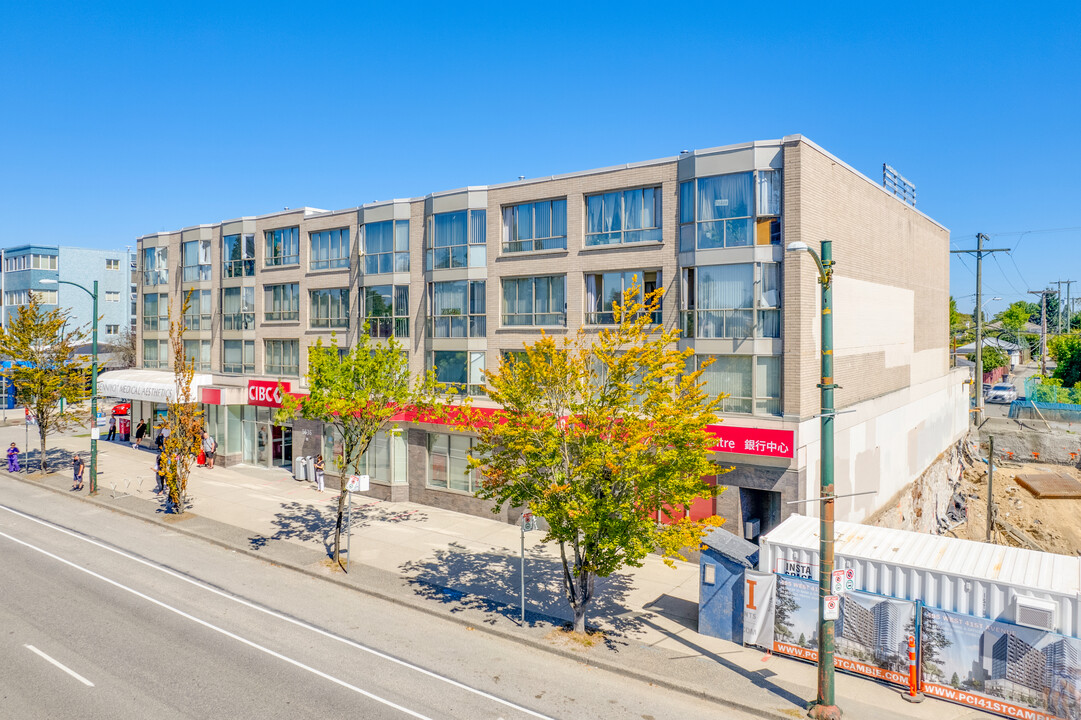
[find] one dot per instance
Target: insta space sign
(267, 393)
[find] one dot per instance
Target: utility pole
(1043, 326)
(979, 252)
(1061, 309)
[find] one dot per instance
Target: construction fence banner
(759, 590)
(999, 667)
(871, 631)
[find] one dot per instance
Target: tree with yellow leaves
(601, 436)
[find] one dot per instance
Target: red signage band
(266, 393)
(753, 441)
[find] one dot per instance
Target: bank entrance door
(281, 446)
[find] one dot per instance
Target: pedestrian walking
(140, 432)
(13, 458)
(319, 467)
(112, 429)
(210, 446)
(159, 441)
(77, 467)
(159, 472)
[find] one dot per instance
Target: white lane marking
(60, 665)
(286, 618)
(215, 628)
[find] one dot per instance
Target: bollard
(913, 695)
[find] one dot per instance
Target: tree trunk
(338, 528)
(578, 582)
(43, 463)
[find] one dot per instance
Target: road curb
(602, 664)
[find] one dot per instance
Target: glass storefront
(248, 433)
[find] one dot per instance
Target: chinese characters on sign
(753, 441)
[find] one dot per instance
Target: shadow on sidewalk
(490, 581)
(59, 460)
(302, 522)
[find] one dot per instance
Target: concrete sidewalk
(467, 569)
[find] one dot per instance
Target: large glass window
(605, 289)
(628, 216)
(155, 311)
(457, 239)
(753, 384)
(199, 312)
(281, 302)
(535, 226)
(732, 301)
(238, 356)
(330, 308)
(196, 260)
(535, 301)
(716, 212)
(238, 308)
(238, 255)
(459, 369)
(386, 308)
(198, 352)
(282, 246)
(386, 247)
(282, 357)
(32, 262)
(456, 309)
(329, 249)
(156, 266)
(448, 463)
(155, 353)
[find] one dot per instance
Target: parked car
(1002, 393)
(121, 409)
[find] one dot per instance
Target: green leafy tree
(1052, 311)
(933, 642)
(960, 324)
(955, 681)
(49, 378)
(783, 608)
(1066, 350)
(356, 393)
(183, 418)
(601, 436)
(993, 358)
(1013, 318)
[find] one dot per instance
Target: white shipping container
(961, 576)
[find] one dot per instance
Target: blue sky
(121, 119)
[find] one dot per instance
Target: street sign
(832, 608)
(358, 483)
(837, 584)
(850, 580)
(528, 523)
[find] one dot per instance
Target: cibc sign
(266, 393)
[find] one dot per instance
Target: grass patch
(567, 638)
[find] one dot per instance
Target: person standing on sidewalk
(210, 446)
(319, 467)
(112, 429)
(13, 458)
(159, 472)
(77, 467)
(140, 431)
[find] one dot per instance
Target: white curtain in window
(724, 196)
(769, 192)
(592, 297)
(771, 290)
(559, 218)
(632, 209)
(768, 377)
(449, 298)
(729, 374)
(478, 227)
(450, 229)
(725, 286)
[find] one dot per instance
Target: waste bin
(309, 467)
(123, 428)
(300, 468)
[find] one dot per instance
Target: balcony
(196, 273)
(238, 321)
(198, 321)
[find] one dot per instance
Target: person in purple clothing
(13, 458)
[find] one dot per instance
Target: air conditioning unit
(1035, 613)
(752, 528)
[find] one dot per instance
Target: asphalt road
(105, 616)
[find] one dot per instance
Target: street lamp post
(824, 707)
(93, 381)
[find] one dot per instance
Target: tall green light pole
(824, 708)
(93, 381)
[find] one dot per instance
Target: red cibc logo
(267, 393)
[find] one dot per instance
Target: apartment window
(31, 262)
(330, 308)
(535, 226)
(16, 297)
(112, 329)
(112, 263)
(460, 369)
(605, 289)
(386, 309)
(196, 260)
(386, 460)
(198, 316)
(238, 308)
(282, 357)
(753, 384)
(155, 311)
(535, 300)
(448, 463)
(456, 309)
(282, 302)
(238, 255)
(198, 353)
(238, 356)
(329, 249)
(457, 239)
(156, 266)
(386, 247)
(629, 216)
(155, 353)
(732, 301)
(716, 212)
(112, 296)
(47, 297)
(282, 246)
